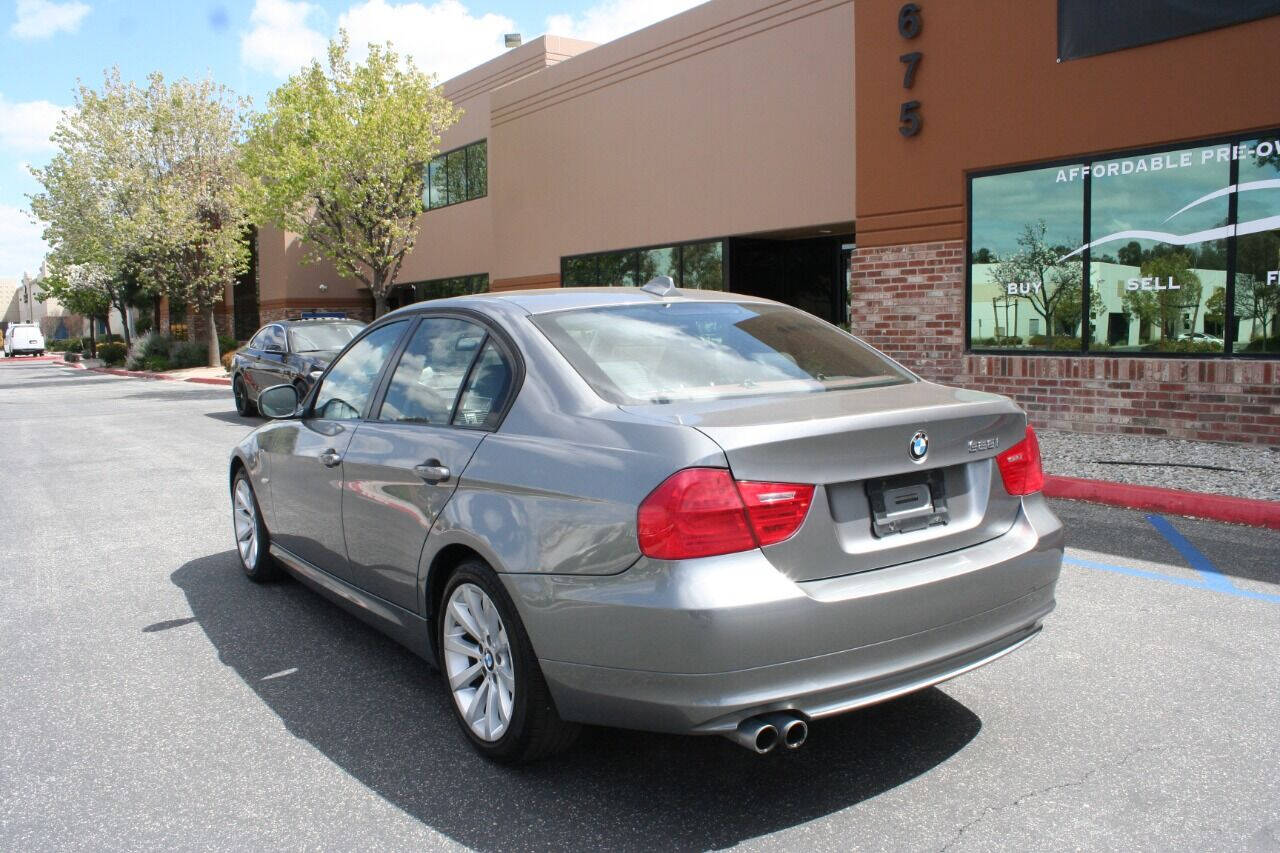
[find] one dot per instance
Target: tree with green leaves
(338, 158)
(1038, 269)
(81, 289)
(1166, 307)
(143, 189)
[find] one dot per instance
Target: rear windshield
(672, 351)
(323, 337)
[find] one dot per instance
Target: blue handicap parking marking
(1208, 577)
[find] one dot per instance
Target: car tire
(533, 728)
(244, 406)
(252, 541)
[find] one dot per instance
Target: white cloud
(39, 19)
(443, 38)
(280, 41)
(614, 18)
(27, 125)
(21, 248)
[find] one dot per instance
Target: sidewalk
(203, 375)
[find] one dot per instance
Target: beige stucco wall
(734, 117)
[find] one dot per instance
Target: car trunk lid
(874, 505)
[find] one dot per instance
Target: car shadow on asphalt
(234, 417)
(381, 714)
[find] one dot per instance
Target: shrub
(227, 355)
(148, 351)
(112, 352)
(226, 344)
(1006, 341)
(72, 357)
(143, 323)
(156, 344)
(188, 354)
(1166, 345)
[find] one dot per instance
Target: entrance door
(807, 273)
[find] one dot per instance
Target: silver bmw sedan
(670, 510)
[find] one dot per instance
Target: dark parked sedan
(679, 511)
(288, 351)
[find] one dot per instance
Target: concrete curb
(1254, 513)
(143, 374)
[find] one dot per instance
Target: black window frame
(471, 158)
(1229, 332)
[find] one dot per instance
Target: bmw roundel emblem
(919, 446)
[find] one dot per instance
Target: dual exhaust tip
(762, 734)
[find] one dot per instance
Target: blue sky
(249, 45)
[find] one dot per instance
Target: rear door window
(424, 388)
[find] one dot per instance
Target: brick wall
(909, 302)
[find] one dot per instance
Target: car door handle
(432, 471)
(331, 458)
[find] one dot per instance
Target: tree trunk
(124, 323)
(211, 329)
(155, 313)
(93, 339)
(377, 284)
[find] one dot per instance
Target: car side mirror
(279, 401)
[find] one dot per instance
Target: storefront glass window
(655, 262)
(692, 265)
(1151, 280)
(703, 266)
(618, 269)
(1025, 290)
(1257, 280)
(1153, 234)
(439, 288)
(580, 272)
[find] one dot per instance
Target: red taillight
(1020, 466)
(776, 510)
(700, 512)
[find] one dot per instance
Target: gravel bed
(1254, 469)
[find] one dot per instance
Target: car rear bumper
(699, 646)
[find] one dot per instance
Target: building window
(457, 176)
(697, 266)
(1143, 253)
(438, 288)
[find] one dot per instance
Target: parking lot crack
(1039, 792)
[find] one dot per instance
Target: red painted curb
(1197, 504)
(208, 380)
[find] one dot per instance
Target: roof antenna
(660, 285)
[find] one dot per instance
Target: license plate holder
(907, 502)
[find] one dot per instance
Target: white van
(23, 339)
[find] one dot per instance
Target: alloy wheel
(245, 514)
(477, 662)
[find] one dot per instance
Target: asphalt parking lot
(153, 698)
